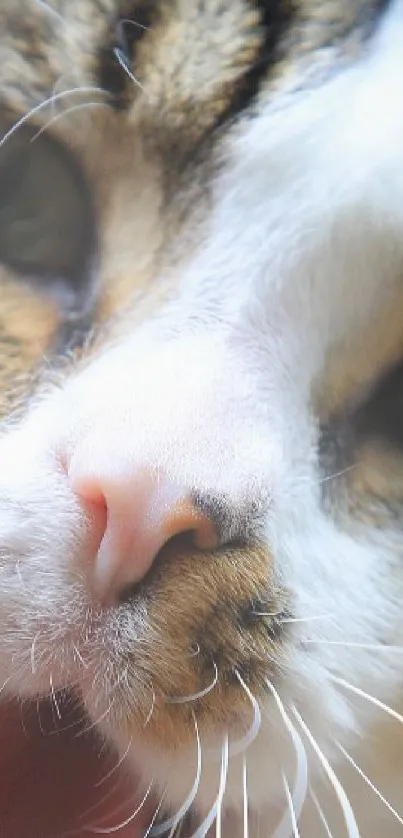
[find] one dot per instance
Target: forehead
(190, 52)
(139, 95)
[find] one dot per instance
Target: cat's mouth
(92, 792)
(165, 652)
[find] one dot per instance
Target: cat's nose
(140, 512)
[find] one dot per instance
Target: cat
(201, 494)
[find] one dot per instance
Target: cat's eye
(47, 220)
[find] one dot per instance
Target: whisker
(155, 815)
(306, 619)
(77, 653)
(46, 8)
(239, 746)
(336, 474)
(66, 112)
(115, 767)
(33, 653)
(42, 105)
(176, 831)
(185, 699)
(65, 728)
(348, 814)
(38, 713)
(291, 808)
(123, 63)
(370, 784)
(203, 829)
(19, 574)
(372, 700)
(218, 820)
(94, 806)
(173, 822)
(99, 830)
(308, 484)
(22, 702)
(321, 814)
(151, 710)
(373, 647)
(267, 613)
(103, 715)
(301, 779)
(96, 723)
(128, 22)
(54, 699)
(4, 684)
(245, 798)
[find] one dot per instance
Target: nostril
(140, 514)
(186, 520)
(178, 545)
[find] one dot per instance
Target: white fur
(304, 242)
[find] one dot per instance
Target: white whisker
(321, 814)
(33, 653)
(65, 728)
(115, 767)
(245, 798)
(184, 699)
(38, 713)
(4, 684)
(239, 746)
(82, 106)
(135, 23)
(155, 816)
(103, 715)
(336, 474)
(99, 830)
(54, 698)
(123, 63)
(173, 822)
(370, 784)
(267, 613)
(107, 796)
(151, 710)
(49, 10)
(306, 619)
(97, 722)
(22, 702)
(348, 814)
(177, 831)
(203, 829)
(301, 778)
(218, 820)
(42, 105)
(19, 574)
(372, 700)
(77, 653)
(373, 647)
(291, 808)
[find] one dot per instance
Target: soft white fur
(304, 241)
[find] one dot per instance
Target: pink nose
(140, 513)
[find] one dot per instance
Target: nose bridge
(164, 447)
(177, 404)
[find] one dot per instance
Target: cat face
(200, 483)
